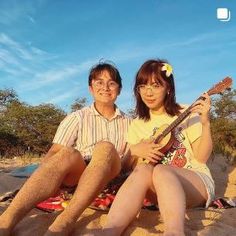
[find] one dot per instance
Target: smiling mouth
(105, 94)
(150, 101)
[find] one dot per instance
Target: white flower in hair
(167, 68)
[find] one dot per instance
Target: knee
(160, 171)
(143, 170)
(105, 151)
(66, 156)
(105, 155)
(104, 146)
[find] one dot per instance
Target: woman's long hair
(152, 69)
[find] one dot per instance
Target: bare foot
(50, 233)
(174, 233)
(60, 229)
(4, 227)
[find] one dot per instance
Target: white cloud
(12, 11)
(63, 96)
(32, 20)
(7, 57)
(20, 50)
(57, 74)
(18, 58)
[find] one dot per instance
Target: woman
(182, 179)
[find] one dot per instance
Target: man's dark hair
(100, 67)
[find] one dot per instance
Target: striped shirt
(82, 129)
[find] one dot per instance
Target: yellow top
(181, 153)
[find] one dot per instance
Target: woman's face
(104, 89)
(153, 94)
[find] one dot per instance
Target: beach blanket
(102, 202)
(25, 171)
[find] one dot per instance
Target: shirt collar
(95, 112)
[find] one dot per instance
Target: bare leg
(104, 166)
(37, 188)
(176, 188)
(129, 197)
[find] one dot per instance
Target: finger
(155, 149)
(154, 156)
(206, 102)
(200, 111)
(151, 159)
(196, 109)
(149, 140)
(200, 108)
(206, 98)
(156, 145)
(199, 102)
(158, 153)
(196, 104)
(206, 95)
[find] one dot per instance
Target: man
(86, 151)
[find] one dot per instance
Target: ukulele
(164, 136)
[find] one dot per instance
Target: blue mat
(24, 172)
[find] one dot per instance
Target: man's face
(104, 89)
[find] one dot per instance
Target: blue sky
(48, 46)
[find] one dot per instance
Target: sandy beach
(211, 222)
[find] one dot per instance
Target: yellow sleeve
(194, 129)
(132, 135)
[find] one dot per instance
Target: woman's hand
(202, 107)
(148, 150)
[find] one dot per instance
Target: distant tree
(78, 104)
(9, 141)
(131, 113)
(35, 126)
(6, 97)
(43, 123)
(24, 127)
(223, 123)
(9, 145)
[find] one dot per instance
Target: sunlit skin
(155, 100)
(153, 97)
(104, 97)
(66, 165)
(161, 181)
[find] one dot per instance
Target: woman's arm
(202, 147)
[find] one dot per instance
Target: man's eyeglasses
(99, 84)
(143, 88)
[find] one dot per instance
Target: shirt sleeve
(68, 130)
(132, 136)
(194, 129)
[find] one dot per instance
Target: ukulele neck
(175, 123)
(216, 89)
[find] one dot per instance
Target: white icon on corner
(223, 14)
